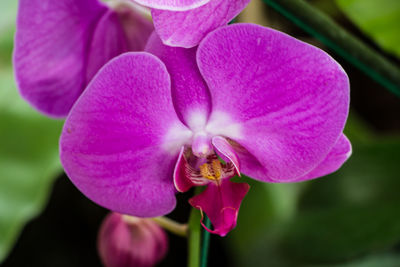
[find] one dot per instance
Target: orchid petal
(284, 101)
(335, 159)
(189, 91)
(120, 141)
(136, 24)
(50, 44)
(332, 162)
(176, 5)
(60, 45)
(108, 41)
(221, 204)
(188, 28)
(118, 31)
(226, 152)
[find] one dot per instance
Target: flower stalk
(172, 226)
(205, 242)
(194, 239)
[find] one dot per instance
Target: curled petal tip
(226, 152)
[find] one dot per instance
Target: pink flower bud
(126, 241)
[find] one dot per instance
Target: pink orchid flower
(270, 106)
(184, 23)
(61, 44)
(131, 242)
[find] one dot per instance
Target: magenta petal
(60, 45)
(116, 32)
(181, 181)
(172, 4)
(287, 101)
(120, 142)
(135, 23)
(332, 162)
(221, 204)
(108, 41)
(226, 152)
(335, 159)
(189, 91)
(187, 29)
(49, 54)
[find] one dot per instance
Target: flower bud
(126, 241)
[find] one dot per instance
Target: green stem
(205, 243)
(172, 226)
(339, 40)
(194, 239)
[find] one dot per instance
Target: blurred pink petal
(60, 45)
(131, 242)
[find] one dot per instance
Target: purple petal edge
(339, 154)
(186, 29)
(173, 5)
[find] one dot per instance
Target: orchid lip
(202, 172)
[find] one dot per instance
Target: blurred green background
(349, 218)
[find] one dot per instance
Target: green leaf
(8, 10)
(380, 19)
(265, 207)
(28, 146)
(331, 221)
(343, 232)
(387, 260)
(351, 212)
(28, 161)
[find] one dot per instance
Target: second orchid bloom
(248, 100)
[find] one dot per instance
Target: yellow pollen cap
(211, 171)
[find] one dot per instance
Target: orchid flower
(184, 23)
(60, 45)
(131, 242)
(248, 100)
